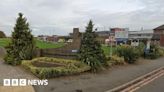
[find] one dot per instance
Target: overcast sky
(60, 16)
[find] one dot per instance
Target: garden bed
(45, 67)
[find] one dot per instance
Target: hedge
(64, 67)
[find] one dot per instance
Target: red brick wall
(162, 40)
(161, 33)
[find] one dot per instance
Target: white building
(144, 34)
(136, 36)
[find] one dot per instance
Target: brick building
(159, 34)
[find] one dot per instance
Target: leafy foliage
(115, 60)
(68, 67)
(130, 54)
(141, 48)
(155, 52)
(90, 51)
(22, 43)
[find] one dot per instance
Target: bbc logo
(23, 82)
(14, 82)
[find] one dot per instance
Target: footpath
(14, 72)
(102, 81)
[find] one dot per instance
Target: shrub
(115, 60)
(161, 51)
(141, 48)
(155, 52)
(68, 67)
(130, 54)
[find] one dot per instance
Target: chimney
(75, 32)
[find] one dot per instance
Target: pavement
(17, 89)
(14, 72)
(101, 82)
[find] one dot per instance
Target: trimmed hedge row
(68, 67)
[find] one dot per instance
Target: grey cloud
(60, 16)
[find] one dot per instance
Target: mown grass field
(40, 44)
(107, 49)
(43, 45)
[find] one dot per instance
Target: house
(42, 37)
(53, 38)
(159, 34)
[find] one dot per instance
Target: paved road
(155, 86)
(103, 81)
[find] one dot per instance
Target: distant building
(159, 34)
(102, 36)
(143, 34)
(113, 30)
(135, 37)
(103, 33)
(42, 37)
(53, 38)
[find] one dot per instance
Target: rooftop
(160, 28)
(150, 31)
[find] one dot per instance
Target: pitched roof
(160, 28)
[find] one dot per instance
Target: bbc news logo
(24, 82)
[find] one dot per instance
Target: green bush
(69, 67)
(130, 54)
(141, 48)
(155, 52)
(161, 51)
(115, 60)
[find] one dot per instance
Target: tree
(2, 34)
(22, 43)
(90, 50)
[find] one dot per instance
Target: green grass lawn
(4, 42)
(44, 45)
(40, 44)
(107, 49)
